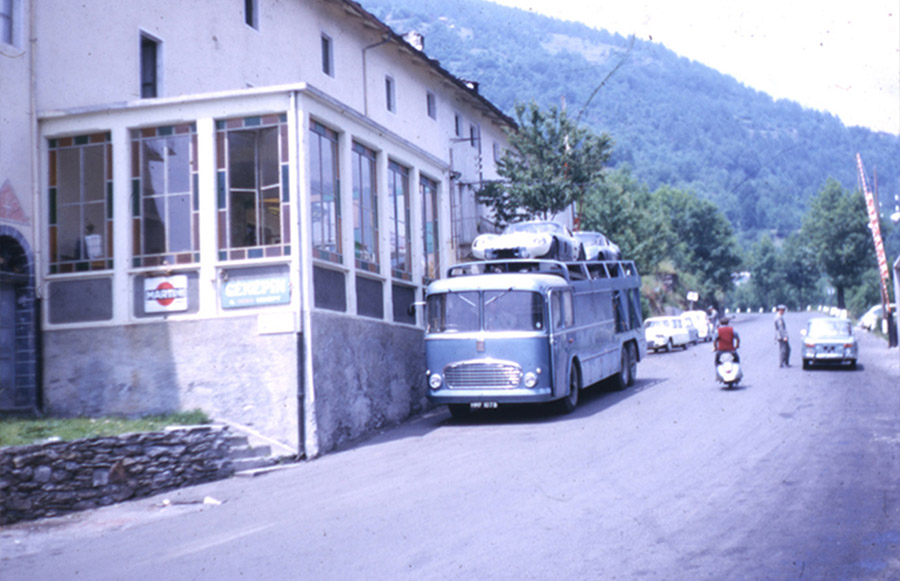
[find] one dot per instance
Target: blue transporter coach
(531, 331)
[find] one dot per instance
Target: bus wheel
(632, 364)
(459, 411)
(568, 404)
(625, 376)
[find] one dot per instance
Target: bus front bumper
(500, 396)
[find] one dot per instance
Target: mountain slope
(674, 121)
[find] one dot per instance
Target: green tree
(704, 241)
(766, 277)
(622, 208)
(798, 263)
(836, 228)
(550, 165)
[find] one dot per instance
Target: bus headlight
(530, 379)
(435, 381)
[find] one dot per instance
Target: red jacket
(725, 339)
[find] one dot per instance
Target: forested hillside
(675, 122)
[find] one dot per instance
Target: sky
(838, 56)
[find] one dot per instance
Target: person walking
(781, 337)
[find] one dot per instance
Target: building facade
(229, 206)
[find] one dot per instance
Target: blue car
(828, 341)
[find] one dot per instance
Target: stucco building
(228, 205)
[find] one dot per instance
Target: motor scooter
(728, 369)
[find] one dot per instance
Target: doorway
(18, 327)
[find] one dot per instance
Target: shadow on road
(592, 400)
(738, 387)
(834, 368)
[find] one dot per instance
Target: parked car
(829, 341)
(666, 333)
(598, 247)
(529, 240)
(701, 321)
(872, 319)
(693, 333)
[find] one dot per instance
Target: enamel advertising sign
(240, 292)
(165, 294)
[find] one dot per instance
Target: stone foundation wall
(226, 367)
(369, 375)
(61, 477)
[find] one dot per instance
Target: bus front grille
(491, 375)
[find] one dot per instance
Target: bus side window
(562, 309)
(620, 312)
(634, 308)
(556, 310)
(568, 309)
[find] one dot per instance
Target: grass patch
(21, 432)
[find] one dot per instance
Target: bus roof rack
(580, 270)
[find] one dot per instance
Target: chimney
(416, 39)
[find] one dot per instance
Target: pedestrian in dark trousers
(781, 337)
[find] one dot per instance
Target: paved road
(794, 476)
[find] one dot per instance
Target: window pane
(270, 216)
(243, 219)
(6, 21)
(242, 159)
(179, 159)
(430, 227)
(326, 55)
(325, 208)
(70, 232)
(316, 144)
(69, 189)
(268, 157)
(149, 49)
(389, 93)
(453, 312)
(398, 180)
(95, 229)
(80, 202)
(364, 195)
(167, 216)
(154, 225)
(513, 311)
(153, 170)
(329, 177)
(179, 223)
(255, 209)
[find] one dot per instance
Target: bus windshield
(504, 310)
(453, 312)
(513, 311)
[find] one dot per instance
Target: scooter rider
(726, 339)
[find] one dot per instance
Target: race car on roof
(537, 239)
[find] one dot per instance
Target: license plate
(483, 405)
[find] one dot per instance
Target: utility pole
(875, 227)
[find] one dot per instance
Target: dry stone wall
(61, 477)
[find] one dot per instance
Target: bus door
(562, 338)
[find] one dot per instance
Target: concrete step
(252, 453)
(247, 451)
(235, 440)
(248, 464)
